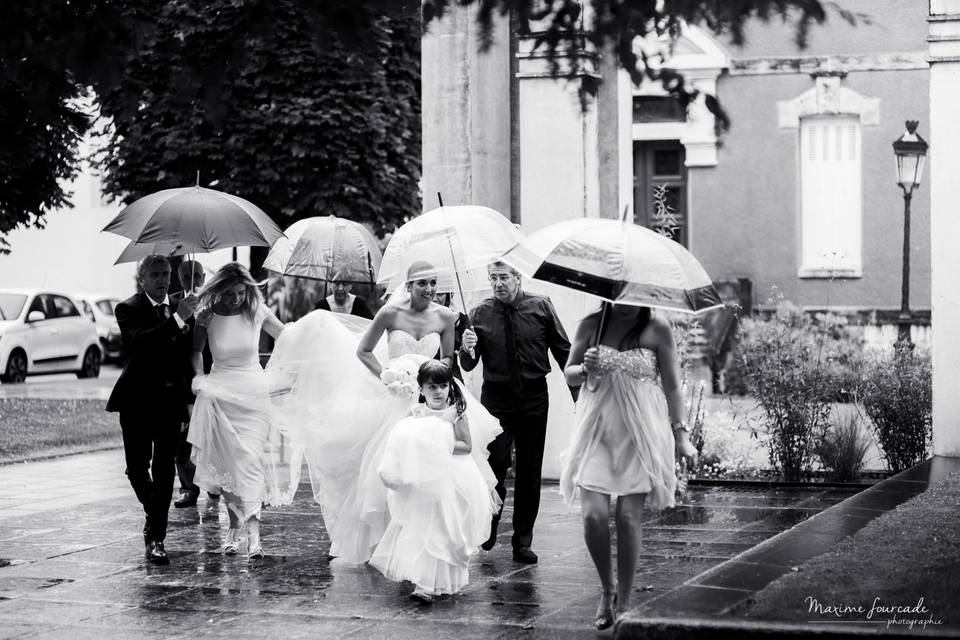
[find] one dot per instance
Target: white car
(44, 332)
(100, 309)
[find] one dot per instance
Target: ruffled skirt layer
(622, 443)
(339, 416)
(235, 447)
(440, 507)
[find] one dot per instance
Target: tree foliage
(304, 107)
(251, 94)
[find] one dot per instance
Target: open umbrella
(136, 251)
(617, 261)
(204, 219)
(459, 241)
(326, 248)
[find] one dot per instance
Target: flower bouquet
(400, 377)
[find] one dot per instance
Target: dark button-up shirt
(537, 332)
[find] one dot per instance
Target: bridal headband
(421, 270)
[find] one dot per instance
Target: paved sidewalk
(71, 565)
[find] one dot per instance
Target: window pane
(657, 109)
(63, 307)
(11, 304)
(105, 307)
(38, 305)
(666, 162)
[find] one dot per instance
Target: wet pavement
(64, 386)
(71, 565)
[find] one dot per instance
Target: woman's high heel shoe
(232, 545)
(605, 618)
(255, 550)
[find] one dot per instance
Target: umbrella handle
(603, 316)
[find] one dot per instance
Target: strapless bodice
(638, 363)
(401, 343)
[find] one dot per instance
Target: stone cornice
(774, 65)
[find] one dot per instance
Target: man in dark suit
(192, 277)
(343, 301)
(513, 333)
(149, 393)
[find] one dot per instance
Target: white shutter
(830, 197)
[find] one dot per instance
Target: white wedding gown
(340, 415)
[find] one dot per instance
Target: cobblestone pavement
(71, 565)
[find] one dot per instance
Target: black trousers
(149, 446)
(186, 470)
(523, 418)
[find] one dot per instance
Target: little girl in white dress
(440, 504)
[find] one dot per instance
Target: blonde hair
(229, 275)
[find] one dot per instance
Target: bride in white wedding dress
(344, 392)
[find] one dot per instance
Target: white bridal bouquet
(400, 377)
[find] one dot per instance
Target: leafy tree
(304, 107)
(299, 124)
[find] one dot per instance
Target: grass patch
(36, 428)
(906, 554)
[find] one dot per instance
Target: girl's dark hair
(435, 372)
(632, 339)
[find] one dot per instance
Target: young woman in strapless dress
(628, 432)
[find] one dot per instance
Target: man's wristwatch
(680, 425)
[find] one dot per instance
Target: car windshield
(11, 304)
(105, 307)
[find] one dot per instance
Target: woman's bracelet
(679, 425)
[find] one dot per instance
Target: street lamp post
(911, 151)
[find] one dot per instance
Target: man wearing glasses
(512, 334)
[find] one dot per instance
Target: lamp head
(911, 151)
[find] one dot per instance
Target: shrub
(842, 447)
(782, 359)
(837, 343)
(728, 447)
(897, 396)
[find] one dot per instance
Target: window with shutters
(830, 197)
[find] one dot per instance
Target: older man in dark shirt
(512, 334)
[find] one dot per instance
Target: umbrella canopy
(326, 248)
(136, 251)
(617, 261)
(203, 218)
(459, 241)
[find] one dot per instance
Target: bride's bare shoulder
(387, 313)
(445, 313)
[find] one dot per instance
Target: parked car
(100, 309)
(44, 332)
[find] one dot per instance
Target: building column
(466, 112)
(944, 58)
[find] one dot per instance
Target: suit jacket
(154, 371)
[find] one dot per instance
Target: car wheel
(90, 368)
(16, 370)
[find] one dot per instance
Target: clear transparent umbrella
(616, 261)
(459, 241)
(326, 248)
